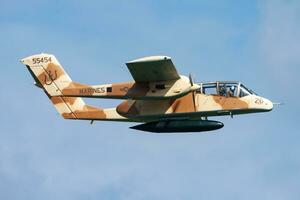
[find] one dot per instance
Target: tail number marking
(41, 60)
(259, 101)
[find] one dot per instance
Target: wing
(153, 69)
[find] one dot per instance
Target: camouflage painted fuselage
(145, 101)
(184, 107)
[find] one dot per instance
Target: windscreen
(244, 91)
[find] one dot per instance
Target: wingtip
(149, 59)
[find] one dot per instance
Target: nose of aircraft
(268, 104)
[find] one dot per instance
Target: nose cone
(268, 105)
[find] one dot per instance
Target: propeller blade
(194, 100)
(191, 79)
(193, 92)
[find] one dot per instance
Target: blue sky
(254, 156)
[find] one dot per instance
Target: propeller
(193, 92)
(191, 79)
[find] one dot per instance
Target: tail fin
(49, 75)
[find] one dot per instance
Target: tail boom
(73, 108)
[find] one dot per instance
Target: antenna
(278, 103)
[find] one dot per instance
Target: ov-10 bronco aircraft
(159, 97)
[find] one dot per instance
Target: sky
(254, 156)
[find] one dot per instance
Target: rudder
(48, 73)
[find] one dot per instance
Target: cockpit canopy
(224, 88)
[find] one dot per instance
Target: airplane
(158, 98)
